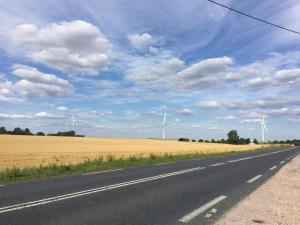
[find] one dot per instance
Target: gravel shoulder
(277, 202)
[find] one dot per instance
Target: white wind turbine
(164, 126)
(73, 122)
(263, 129)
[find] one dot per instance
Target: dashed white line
(254, 179)
(282, 162)
(92, 191)
(202, 209)
(104, 171)
(273, 168)
(217, 164)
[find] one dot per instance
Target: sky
(119, 65)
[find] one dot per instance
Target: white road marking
(92, 191)
(208, 215)
(104, 171)
(282, 162)
(202, 209)
(273, 168)
(1, 185)
(217, 164)
(254, 179)
(213, 210)
(166, 163)
(261, 155)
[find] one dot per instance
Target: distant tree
(255, 141)
(200, 140)
(207, 141)
(17, 131)
(40, 133)
(213, 141)
(184, 139)
(27, 132)
(3, 130)
(193, 140)
(233, 137)
(223, 141)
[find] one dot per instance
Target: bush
(40, 134)
(200, 140)
(193, 140)
(184, 139)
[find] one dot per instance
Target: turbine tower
(164, 126)
(73, 122)
(263, 129)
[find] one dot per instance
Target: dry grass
(27, 151)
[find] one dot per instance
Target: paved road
(186, 192)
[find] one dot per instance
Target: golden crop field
(27, 151)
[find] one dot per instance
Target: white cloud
(186, 112)
(230, 117)
(15, 116)
(214, 128)
(153, 50)
(47, 115)
(38, 84)
(140, 41)
(12, 100)
(107, 84)
(209, 104)
(257, 83)
(74, 47)
(62, 108)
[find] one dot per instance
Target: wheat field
(33, 151)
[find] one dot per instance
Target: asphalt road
(186, 192)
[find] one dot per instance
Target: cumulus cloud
(170, 73)
(257, 83)
(62, 108)
(209, 104)
(140, 41)
(47, 115)
(230, 117)
(74, 47)
(38, 84)
(186, 112)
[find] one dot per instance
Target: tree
(40, 134)
(184, 139)
(255, 141)
(200, 140)
(3, 130)
(233, 137)
(27, 132)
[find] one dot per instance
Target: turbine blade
(266, 128)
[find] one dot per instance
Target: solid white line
(1, 185)
(94, 190)
(261, 155)
(254, 179)
(273, 168)
(282, 162)
(158, 164)
(217, 164)
(202, 209)
(104, 171)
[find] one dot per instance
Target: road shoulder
(275, 202)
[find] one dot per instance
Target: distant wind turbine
(73, 122)
(263, 128)
(164, 126)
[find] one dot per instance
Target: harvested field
(33, 151)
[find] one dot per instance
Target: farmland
(34, 151)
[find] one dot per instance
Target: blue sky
(119, 65)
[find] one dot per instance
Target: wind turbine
(73, 122)
(263, 129)
(164, 126)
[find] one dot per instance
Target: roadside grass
(106, 163)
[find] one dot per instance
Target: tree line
(26, 131)
(233, 138)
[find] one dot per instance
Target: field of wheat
(33, 151)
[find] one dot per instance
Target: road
(185, 192)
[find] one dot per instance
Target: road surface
(185, 192)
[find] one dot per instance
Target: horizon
(119, 67)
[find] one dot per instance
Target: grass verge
(102, 164)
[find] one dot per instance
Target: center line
(202, 209)
(273, 168)
(92, 191)
(104, 171)
(254, 179)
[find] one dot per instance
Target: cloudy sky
(119, 65)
